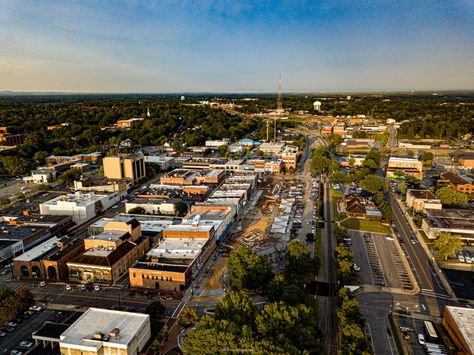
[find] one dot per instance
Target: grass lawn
(364, 225)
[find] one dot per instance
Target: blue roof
(246, 140)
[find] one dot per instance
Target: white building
(272, 148)
(104, 331)
(317, 105)
(80, 206)
(217, 143)
(41, 176)
(152, 206)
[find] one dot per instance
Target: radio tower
(280, 98)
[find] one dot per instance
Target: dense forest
(428, 116)
(169, 121)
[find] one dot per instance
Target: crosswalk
(431, 293)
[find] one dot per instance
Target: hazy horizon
(171, 46)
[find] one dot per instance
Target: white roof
(77, 199)
(408, 160)
(464, 319)
(181, 248)
(38, 250)
(80, 334)
(189, 227)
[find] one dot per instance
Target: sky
(236, 46)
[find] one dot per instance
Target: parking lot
(20, 337)
(379, 260)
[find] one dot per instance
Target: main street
(426, 276)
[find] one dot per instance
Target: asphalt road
(24, 330)
(424, 272)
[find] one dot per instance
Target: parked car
(389, 238)
(68, 287)
(16, 352)
(2, 334)
(96, 288)
(26, 344)
(461, 259)
(82, 288)
(421, 339)
(412, 240)
(356, 267)
(42, 284)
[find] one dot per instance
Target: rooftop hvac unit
(114, 332)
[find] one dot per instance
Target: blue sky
(181, 46)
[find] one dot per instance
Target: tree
(398, 173)
(449, 196)
(180, 208)
(248, 270)
(237, 308)
(289, 326)
(402, 187)
(427, 157)
(310, 237)
(4, 201)
(155, 309)
(137, 210)
(41, 155)
(373, 183)
(188, 317)
(299, 259)
(447, 244)
(69, 176)
(13, 165)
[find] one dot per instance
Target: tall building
(130, 166)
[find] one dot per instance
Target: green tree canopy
(236, 307)
(373, 183)
(449, 196)
(447, 244)
(248, 270)
(181, 208)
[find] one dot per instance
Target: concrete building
(409, 166)
(41, 176)
(129, 123)
(317, 105)
(101, 185)
(466, 161)
(15, 240)
(459, 324)
(130, 167)
(453, 221)
(421, 200)
(104, 331)
(81, 207)
(456, 182)
(48, 260)
(272, 148)
(108, 255)
(179, 177)
(217, 143)
(289, 160)
(164, 162)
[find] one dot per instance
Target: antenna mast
(280, 98)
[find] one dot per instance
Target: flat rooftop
(79, 199)
(178, 248)
(422, 194)
(39, 250)
(403, 160)
(50, 330)
(464, 319)
(110, 235)
(81, 332)
(8, 232)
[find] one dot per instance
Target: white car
(421, 339)
(42, 284)
(16, 352)
(68, 287)
(356, 267)
(468, 259)
(35, 308)
(389, 238)
(26, 344)
(82, 288)
(461, 259)
(96, 288)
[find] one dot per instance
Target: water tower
(317, 105)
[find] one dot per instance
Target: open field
(364, 225)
